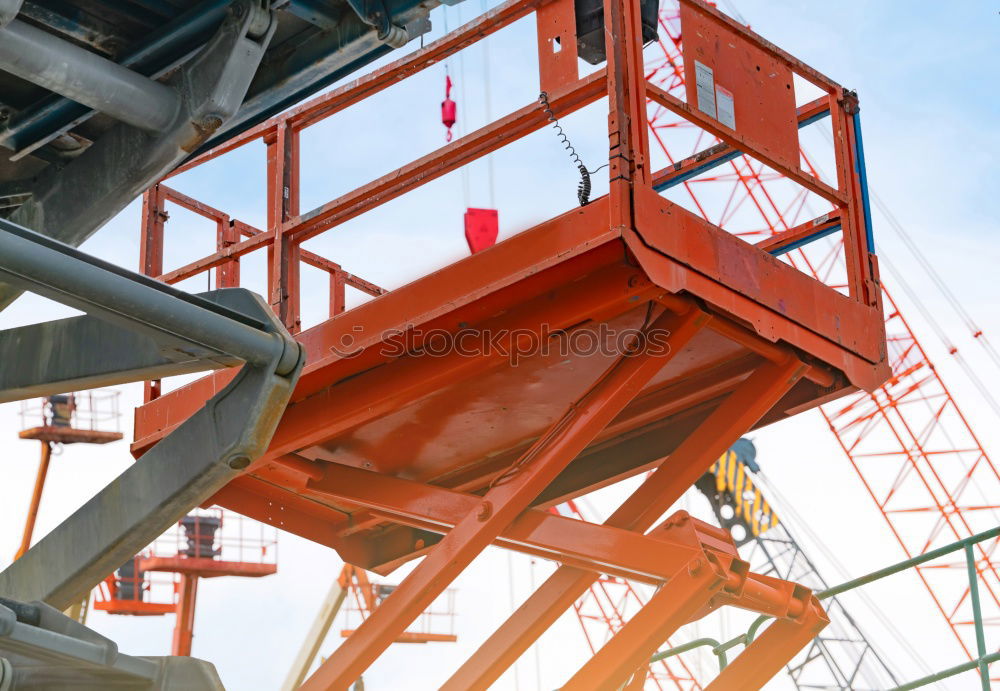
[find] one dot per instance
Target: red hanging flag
(448, 108)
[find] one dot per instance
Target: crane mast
(911, 445)
(840, 657)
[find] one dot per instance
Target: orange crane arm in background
(367, 596)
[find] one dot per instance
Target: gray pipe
(64, 274)
(85, 77)
(9, 10)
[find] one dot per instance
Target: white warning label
(705, 85)
(724, 104)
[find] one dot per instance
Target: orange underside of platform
(456, 420)
(69, 435)
(135, 608)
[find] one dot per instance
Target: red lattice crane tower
(913, 448)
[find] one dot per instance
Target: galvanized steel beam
(198, 458)
(163, 51)
(194, 327)
(345, 45)
(41, 647)
(85, 352)
(71, 203)
(76, 73)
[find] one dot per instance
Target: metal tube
(751, 633)
(982, 662)
(69, 276)
(950, 672)
(903, 565)
(9, 10)
(184, 623)
(60, 66)
(977, 616)
(673, 178)
(685, 647)
(36, 126)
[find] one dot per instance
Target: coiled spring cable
(583, 189)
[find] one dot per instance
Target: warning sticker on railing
(705, 82)
(724, 104)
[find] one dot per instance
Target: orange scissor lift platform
(622, 336)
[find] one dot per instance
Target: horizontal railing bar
(448, 158)
(192, 205)
(746, 638)
(818, 234)
(737, 141)
(333, 102)
(802, 234)
(432, 54)
(256, 239)
(363, 285)
(722, 153)
(903, 565)
(322, 263)
(950, 672)
(217, 258)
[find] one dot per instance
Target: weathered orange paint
(390, 451)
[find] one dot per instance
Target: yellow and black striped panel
(732, 477)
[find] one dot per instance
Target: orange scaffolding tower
(366, 595)
(397, 445)
(202, 545)
(73, 418)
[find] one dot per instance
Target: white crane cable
(952, 349)
(977, 334)
(974, 378)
